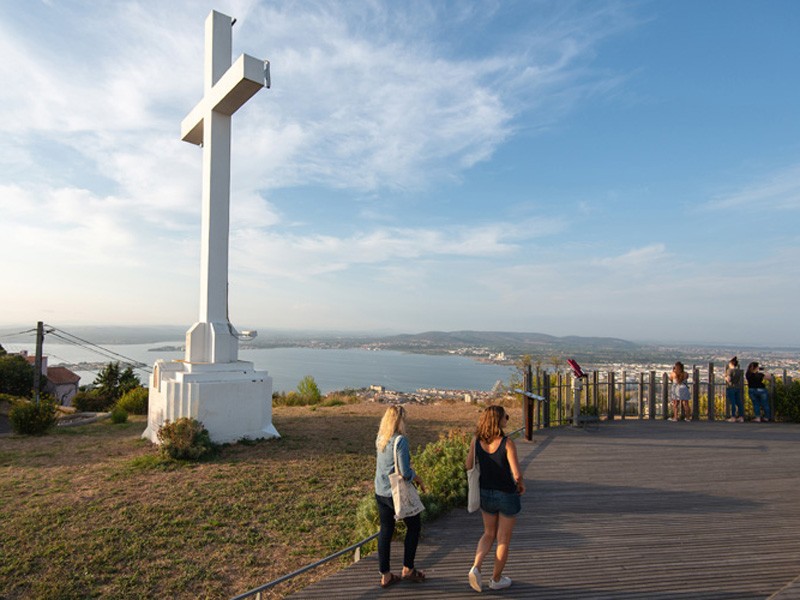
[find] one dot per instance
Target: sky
(622, 169)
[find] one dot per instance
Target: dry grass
(93, 512)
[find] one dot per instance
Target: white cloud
(779, 190)
(646, 257)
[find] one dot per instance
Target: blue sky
(625, 169)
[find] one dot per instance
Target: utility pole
(37, 364)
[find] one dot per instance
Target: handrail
(354, 548)
(530, 395)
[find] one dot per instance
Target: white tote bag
(406, 499)
(474, 483)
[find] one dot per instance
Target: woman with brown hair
(501, 486)
(680, 393)
(392, 429)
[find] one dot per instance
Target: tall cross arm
(239, 83)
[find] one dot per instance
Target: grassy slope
(92, 512)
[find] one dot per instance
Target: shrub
(119, 415)
(29, 418)
(92, 401)
(441, 466)
(309, 390)
(185, 439)
(135, 401)
(787, 401)
(290, 399)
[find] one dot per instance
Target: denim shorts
(495, 501)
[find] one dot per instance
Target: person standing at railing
(733, 391)
(393, 424)
(501, 486)
(680, 392)
(758, 391)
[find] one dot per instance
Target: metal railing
(355, 548)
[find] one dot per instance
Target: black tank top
(495, 470)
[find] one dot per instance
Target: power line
(10, 335)
(75, 340)
(71, 338)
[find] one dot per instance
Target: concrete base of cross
(232, 400)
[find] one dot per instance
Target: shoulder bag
(406, 499)
(474, 482)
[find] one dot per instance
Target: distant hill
(507, 338)
(511, 344)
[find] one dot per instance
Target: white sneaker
(500, 585)
(475, 579)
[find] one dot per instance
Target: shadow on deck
(635, 509)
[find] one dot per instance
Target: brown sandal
(415, 576)
(391, 581)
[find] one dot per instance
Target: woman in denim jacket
(393, 424)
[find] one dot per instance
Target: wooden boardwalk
(635, 509)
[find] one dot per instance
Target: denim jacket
(385, 465)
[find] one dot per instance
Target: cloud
(645, 257)
(779, 190)
(299, 256)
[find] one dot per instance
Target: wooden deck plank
(635, 509)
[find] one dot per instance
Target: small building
(61, 383)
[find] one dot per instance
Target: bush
(119, 415)
(135, 401)
(29, 418)
(290, 399)
(441, 466)
(787, 401)
(309, 390)
(185, 439)
(92, 401)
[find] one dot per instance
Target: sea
(332, 369)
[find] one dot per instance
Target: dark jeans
(413, 526)
(734, 396)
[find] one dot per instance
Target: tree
(518, 376)
(128, 381)
(556, 361)
(107, 381)
(308, 390)
(113, 383)
(16, 375)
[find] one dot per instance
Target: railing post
(577, 386)
(772, 384)
(611, 394)
(527, 402)
(560, 394)
(712, 400)
(641, 396)
(594, 393)
(651, 396)
(695, 393)
(623, 404)
(546, 394)
(665, 396)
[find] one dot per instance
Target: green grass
(95, 512)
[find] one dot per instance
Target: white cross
(227, 87)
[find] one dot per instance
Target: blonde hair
(490, 423)
(393, 421)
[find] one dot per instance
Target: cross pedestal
(230, 398)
